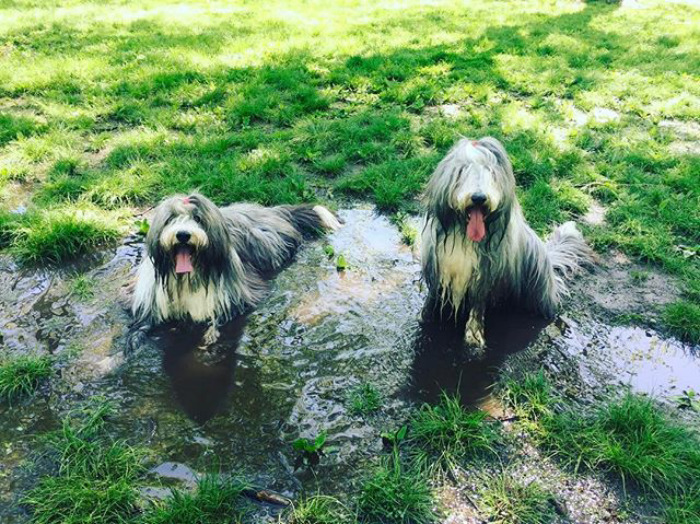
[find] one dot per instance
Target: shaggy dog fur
(477, 249)
(208, 264)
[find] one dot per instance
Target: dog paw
(474, 338)
(328, 219)
(211, 336)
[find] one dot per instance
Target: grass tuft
(62, 235)
(83, 287)
(95, 476)
(450, 433)
(396, 494)
(507, 501)
(321, 509)
(683, 320)
(364, 399)
(21, 376)
(217, 500)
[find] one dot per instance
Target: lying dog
(208, 264)
(478, 251)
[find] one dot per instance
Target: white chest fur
(458, 267)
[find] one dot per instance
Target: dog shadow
(443, 362)
(202, 379)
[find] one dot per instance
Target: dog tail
(313, 220)
(567, 251)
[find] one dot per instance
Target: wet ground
(285, 370)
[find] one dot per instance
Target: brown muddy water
(285, 370)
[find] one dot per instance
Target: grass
(507, 501)
(321, 509)
(95, 476)
(683, 320)
(83, 287)
(364, 399)
(628, 437)
(21, 376)
(447, 433)
(396, 494)
(298, 101)
(217, 500)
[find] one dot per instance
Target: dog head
(471, 187)
(187, 237)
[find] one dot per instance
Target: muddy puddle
(285, 371)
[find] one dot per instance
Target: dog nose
(183, 236)
(478, 198)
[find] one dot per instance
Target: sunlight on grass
(299, 101)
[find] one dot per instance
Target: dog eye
(197, 219)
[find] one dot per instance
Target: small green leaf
(401, 433)
(341, 264)
(329, 251)
(320, 441)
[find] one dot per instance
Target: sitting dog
(208, 264)
(478, 251)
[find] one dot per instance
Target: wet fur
(233, 250)
(511, 265)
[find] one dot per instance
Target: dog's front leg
(474, 332)
(212, 333)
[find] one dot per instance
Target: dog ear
(497, 149)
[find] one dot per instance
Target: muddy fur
(232, 250)
(511, 264)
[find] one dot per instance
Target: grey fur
(511, 265)
(234, 249)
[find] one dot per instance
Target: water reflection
(202, 378)
(443, 362)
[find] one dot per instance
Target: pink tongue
(476, 230)
(183, 261)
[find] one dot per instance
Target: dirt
(285, 371)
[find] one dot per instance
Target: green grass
(448, 433)
(364, 399)
(95, 480)
(118, 105)
(683, 320)
(21, 376)
(62, 235)
(628, 437)
(504, 500)
(396, 494)
(82, 287)
(217, 500)
(321, 509)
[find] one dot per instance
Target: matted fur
(232, 250)
(510, 264)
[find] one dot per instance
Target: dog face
(187, 237)
(471, 186)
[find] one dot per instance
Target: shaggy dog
(208, 264)
(478, 251)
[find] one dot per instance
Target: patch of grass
(629, 437)
(95, 476)
(683, 320)
(321, 509)
(217, 500)
(396, 494)
(21, 376)
(364, 399)
(61, 235)
(505, 500)
(83, 287)
(449, 433)
(531, 395)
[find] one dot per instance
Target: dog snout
(183, 236)
(478, 199)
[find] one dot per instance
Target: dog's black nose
(183, 236)
(478, 199)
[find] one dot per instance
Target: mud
(285, 370)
